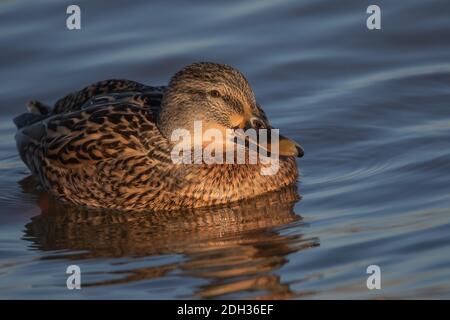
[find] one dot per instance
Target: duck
(110, 145)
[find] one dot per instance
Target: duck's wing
(87, 136)
(107, 150)
(112, 88)
(79, 115)
(150, 99)
(107, 91)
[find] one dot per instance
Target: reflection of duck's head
(235, 247)
(220, 97)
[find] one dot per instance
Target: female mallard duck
(109, 146)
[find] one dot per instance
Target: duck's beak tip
(300, 151)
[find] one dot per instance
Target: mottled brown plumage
(107, 146)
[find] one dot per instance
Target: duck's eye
(256, 123)
(214, 93)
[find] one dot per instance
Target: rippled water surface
(371, 108)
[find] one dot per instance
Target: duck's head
(220, 97)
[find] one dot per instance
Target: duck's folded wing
(97, 133)
(79, 99)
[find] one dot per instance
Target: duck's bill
(290, 148)
(285, 146)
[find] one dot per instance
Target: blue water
(370, 107)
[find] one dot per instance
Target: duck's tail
(36, 112)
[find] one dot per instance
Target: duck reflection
(237, 248)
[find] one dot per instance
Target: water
(371, 109)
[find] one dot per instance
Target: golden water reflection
(236, 248)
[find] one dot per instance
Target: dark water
(371, 108)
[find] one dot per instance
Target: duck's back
(112, 91)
